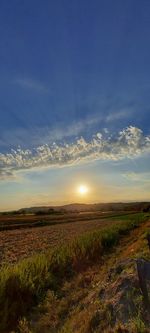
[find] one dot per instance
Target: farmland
(21, 237)
(47, 288)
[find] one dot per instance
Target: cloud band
(128, 143)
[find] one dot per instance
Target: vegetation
(25, 284)
(49, 217)
(104, 297)
(23, 236)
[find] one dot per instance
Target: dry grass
(23, 285)
(22, 243)
(88, 302)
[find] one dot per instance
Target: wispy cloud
(40, 135)
(143, 177)
(118, 115)
(31, 84)
(128, 143)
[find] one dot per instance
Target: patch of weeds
(110, 313)
(49, 302)
(23, 326)
(95, 321)
(120, 328)
(66, 329)
(47, 314)
(137, 324)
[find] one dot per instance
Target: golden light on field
(83, 189)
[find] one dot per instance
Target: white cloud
(118, 115)
(31, 84)
(129, 143)
(62, 131)
(46, 134)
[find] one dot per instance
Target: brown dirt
(17, 244)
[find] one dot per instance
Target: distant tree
(51, 211)
(146, 209)
(45, 212)
(39, 212)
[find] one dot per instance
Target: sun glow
(83, 189)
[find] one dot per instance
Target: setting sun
(83, 189)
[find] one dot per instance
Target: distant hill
(79, 207)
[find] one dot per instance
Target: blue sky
(74, 106)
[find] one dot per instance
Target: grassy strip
(24, 224)
(23, 285)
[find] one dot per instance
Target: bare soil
(21, 243)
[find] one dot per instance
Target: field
(20, 236)
(82, 277)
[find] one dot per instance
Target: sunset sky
(74, 101)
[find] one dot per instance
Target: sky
(74, 101)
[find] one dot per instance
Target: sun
(83, 189)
